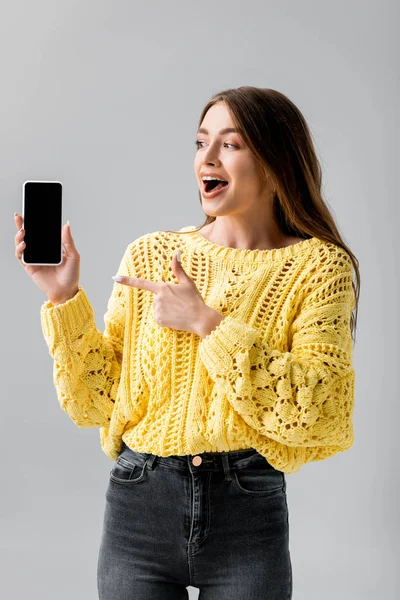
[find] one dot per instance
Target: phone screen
(42, 221)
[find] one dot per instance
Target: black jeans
(217, 521)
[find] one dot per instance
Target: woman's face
(226, 155)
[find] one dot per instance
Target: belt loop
(150, 459)
(225, 465)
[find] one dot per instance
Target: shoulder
(166, 235)
(328, 258)
(329, 267)
(155, 241)
(189, 228)
(135, 255)
(328, 274)
(152, 247)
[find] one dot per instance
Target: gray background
(105, 96)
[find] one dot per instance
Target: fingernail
(117, 278)
(178, 255)
(67, 222)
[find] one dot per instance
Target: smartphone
(42, 221)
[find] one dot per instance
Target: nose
(210, 156)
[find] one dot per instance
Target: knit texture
(275, 375)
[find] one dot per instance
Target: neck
(237, 233)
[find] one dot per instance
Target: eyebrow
(227, 130)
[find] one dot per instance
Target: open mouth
(214, 185)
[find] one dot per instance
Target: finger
(19, 236)
(18, 220)
(67, 240)
(143, 284)
(19, 249)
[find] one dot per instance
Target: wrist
(210, 320)
(57, 301)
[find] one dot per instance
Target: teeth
(211, 179)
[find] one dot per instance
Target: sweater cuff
(218, 349)
(68, 320)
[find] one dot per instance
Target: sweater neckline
(227, 253)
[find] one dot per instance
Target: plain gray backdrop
(105, 97)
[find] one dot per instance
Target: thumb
(177, 268)
(66, 238)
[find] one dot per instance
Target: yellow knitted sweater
(275, 375)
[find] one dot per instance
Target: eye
(198, 142)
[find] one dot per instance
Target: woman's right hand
(58, 282)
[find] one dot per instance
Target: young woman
(216, 375)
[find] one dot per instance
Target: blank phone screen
(42, 216)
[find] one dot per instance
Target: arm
(87, 362)
(302, 398)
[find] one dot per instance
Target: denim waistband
(209, 460)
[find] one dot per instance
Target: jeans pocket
(127, 473)
(259, 479)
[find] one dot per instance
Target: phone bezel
(23, 221)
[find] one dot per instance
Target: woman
(218, 375)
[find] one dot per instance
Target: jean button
(197, 460)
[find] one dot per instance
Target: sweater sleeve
(87, 363)
(301, 398)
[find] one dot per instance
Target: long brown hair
(278, 136)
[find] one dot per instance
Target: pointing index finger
(143, 284)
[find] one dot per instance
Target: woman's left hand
(179, 306)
